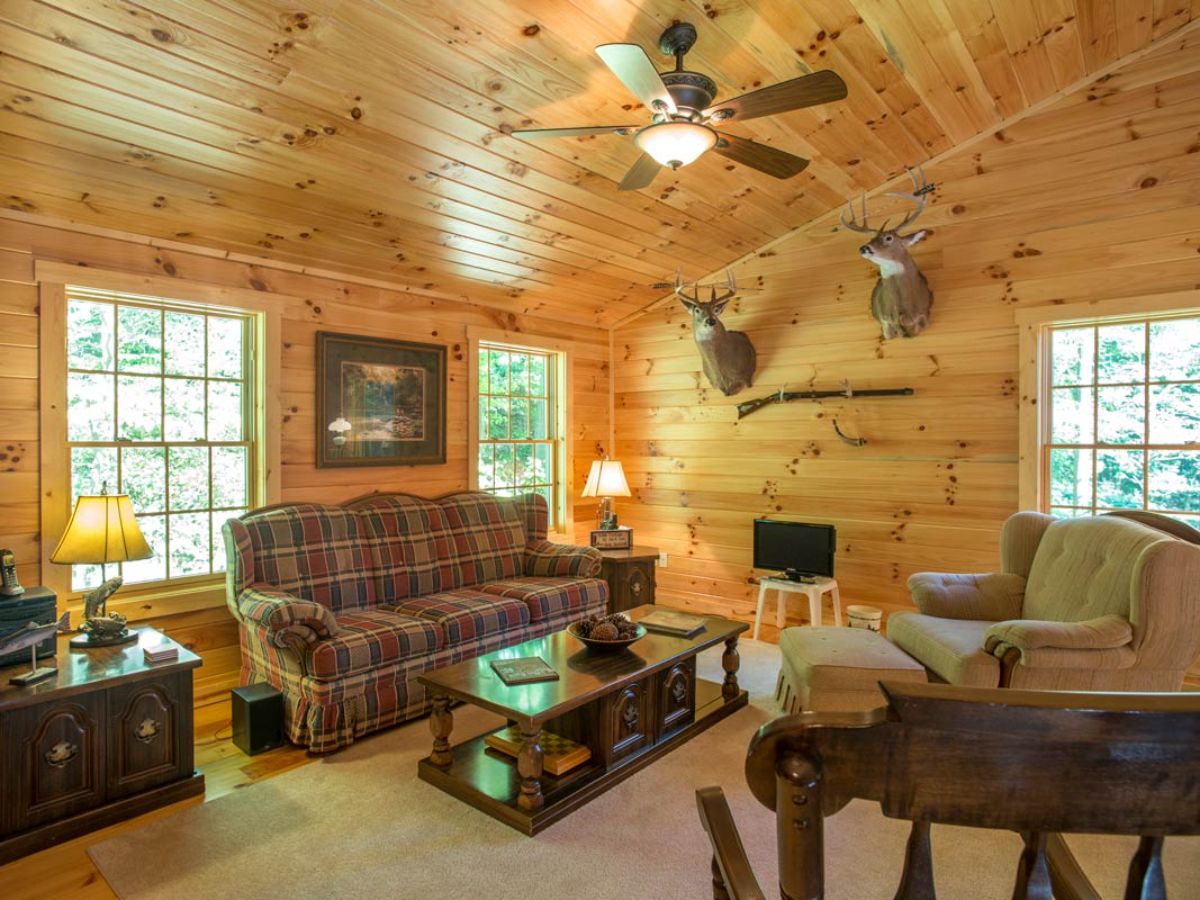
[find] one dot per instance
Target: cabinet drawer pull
(61, 754)
(635, 587)
(147, 730)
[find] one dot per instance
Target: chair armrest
(993, 597)
(1103, 633)
(546, 558)
(730, 865)
(286, 618)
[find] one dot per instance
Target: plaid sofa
(342, 607)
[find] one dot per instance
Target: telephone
(9, 587)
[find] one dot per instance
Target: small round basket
(605, 646)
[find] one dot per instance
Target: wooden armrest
(732, 876)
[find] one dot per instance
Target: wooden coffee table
(629, 707)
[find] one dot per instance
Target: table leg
(529, 766)
(441, 723)
(837, 605)
(758, 612)
(730, 662)
(814, 604)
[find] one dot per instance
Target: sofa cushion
(367, 639)
(408, 538)
(464, 615)
(487, 538)
(952, 648)
(548, 597)
(311, 551)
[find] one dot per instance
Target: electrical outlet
(662, 559)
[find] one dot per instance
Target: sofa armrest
(1103, 633)
(994, 597)
(546, 558)
(285, 618)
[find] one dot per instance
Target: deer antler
(679, 289)
(694, 297)
(853, 224)
(729, 290)
(920, 189)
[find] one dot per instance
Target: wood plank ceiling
(369, 136)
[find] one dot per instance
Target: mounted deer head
(727, 356)
(901, 298)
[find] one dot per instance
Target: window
(520, 432)
(1123, 428)
(160, 405)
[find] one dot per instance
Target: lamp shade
(103, 529)
(606, 479)
(675, 144)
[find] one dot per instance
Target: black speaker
(257, 718)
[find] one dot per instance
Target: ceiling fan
(683, 111)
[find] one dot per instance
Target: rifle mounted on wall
(785, 396)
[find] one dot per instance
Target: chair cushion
(548, 597)
(487, 536)
(846, 658)
(952, 648)
(367, 639)
(408, 538)
(1084, 568)
(464, 615)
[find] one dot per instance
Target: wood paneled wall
(313, 304)
(1095, 196)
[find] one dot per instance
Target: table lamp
(606, 480)
(103, 529)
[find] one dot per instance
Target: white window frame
(146, 599)
(562, 525)
(1035, 325)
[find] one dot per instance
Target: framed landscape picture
(379, 402)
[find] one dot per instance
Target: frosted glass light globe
(675, 144)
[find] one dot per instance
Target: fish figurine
(30, 636)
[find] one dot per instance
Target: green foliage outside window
(517, 439)
(1125, 418)
(158, 407)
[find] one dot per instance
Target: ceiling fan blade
(807, 90)
(581, 131)
(759, 156)
(640, 174)
(630, 63)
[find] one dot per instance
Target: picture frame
(380, 402)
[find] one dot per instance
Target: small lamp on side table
(606, 480)
(103, 529)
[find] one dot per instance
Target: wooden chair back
(1039, 763)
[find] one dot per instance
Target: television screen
(796, 548)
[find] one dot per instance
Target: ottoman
(838, 669)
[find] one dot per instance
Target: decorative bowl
(605, 646)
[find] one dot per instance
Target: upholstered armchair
(1105, 603)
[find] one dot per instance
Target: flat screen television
(797, 549)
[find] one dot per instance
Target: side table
(812, 590)
(108, 738)
(630, 577)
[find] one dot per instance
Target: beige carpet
(359, 824)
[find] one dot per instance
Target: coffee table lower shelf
(489, 781)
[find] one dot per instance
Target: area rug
(360, 824)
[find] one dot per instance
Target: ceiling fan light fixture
(675, 144)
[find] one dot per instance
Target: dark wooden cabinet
(630, 577)
(109, 737)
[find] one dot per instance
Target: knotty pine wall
(1095, 196)
(323, 304)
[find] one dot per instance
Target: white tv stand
(814, 590)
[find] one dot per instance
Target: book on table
(666, 621)
(559, 754)
(524, 670)
(160, 650)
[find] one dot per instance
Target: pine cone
(605, 631)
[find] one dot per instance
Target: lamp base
(96, 641)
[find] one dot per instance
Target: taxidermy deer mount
(728, 356)
(901, 299)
